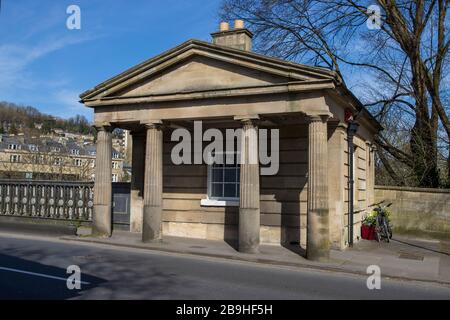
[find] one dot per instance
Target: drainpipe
(351, 131)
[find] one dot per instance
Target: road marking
(40, 275)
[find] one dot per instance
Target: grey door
(121, 203)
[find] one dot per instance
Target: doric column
(318, 238)
(137, 181)
(249, 211)
(152, 228)
(102, 219)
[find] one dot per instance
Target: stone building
(52, 158)
(225, 85)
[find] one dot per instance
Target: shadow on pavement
(20, 285)
(36, 228)
(420, 247)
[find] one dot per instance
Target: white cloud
(68, 99)
(15, 58)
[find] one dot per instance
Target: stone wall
(283, 197)
(418, 210)
(362, 169)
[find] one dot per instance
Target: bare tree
(8, 169)
(400, 58)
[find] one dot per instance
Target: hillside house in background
(50, 158)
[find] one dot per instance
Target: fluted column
(152, 228)
(137, 181)
(102, 219)
(318, 238)
(249, 211)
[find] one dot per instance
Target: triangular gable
(199, 73)
(200, 66)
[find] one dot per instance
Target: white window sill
(219, 203)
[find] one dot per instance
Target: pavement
(403, 258)
(35, 267)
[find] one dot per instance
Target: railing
(47, 199)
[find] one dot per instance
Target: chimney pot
(224, 26)
(238, 38)
(238, 24)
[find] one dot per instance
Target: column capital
(317, 117)
(103, 126)
(248, 120)
(153, 124)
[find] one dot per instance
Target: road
(36, 269)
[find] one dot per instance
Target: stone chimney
(238, 38)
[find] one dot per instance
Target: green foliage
(48, 125)
(388, 214)
(371, 218)
(447, 183)
(13, 129)
(126, 177)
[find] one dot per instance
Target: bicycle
(382, 226)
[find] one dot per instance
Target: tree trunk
(423, 142)
(424, 153)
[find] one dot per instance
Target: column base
(318, 242)
(315, 255)
(102, 221)
(249, 229)
(152, 224)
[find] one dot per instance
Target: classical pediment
(199, 73)
(200, 67)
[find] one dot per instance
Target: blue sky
(46, 65)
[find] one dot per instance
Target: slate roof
(50, 145)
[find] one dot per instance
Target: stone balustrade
(47, 199)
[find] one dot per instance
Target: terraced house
(50, 159)
(224, 84)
